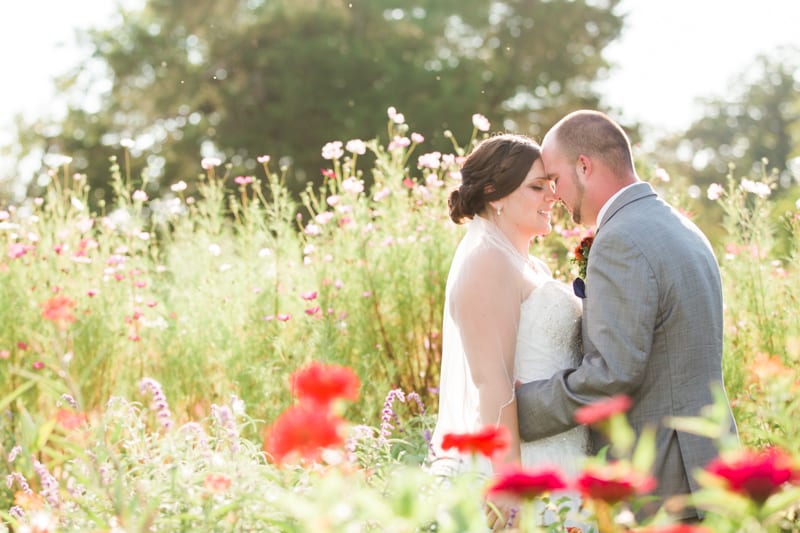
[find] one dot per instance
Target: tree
(759, 120)
(238, 79)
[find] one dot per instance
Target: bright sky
(671, 52)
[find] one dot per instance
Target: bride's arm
(486, 307)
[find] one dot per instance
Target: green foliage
(246, 78)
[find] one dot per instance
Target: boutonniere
(580, 256)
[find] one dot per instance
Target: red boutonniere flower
(489, 441)
(581, 255)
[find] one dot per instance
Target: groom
(652, 313)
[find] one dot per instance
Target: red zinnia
(527, 484)
(303, 430)
(613, 482)
(602, 410)
(59, 310)
(321, 383)
(757, 475)
(488, 442)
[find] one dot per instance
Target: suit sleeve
(620, 316)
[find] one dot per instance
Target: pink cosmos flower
(310, 295)
(243, 180)
(284, 317)
(38, 365)
(417, 138)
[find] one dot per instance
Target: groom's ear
(583, 166)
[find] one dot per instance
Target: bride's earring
(499, 209)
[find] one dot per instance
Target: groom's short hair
(596, 135)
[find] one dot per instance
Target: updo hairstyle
(493, 170)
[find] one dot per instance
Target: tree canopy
(240, 78)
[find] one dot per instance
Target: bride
(505, 318)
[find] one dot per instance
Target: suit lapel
(633, 194)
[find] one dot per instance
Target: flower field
(229, 358)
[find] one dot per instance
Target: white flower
(312, 229)
(77, 204)
(432, 160)
(715, 191)
(353, 185)
(797, 204)
(178, 187)
(756, 187)
(84, 225)
(214, 249)
(4, 215)
(417, 138)
(263, 159)
(210, 162)
(332, 150)
(480, 122)
(139, 196)
(662, 174)
(356, 146)
(323, 218)
(381, 194)
(264, 252)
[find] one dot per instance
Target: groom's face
(569, 189)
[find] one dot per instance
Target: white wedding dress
(548, 339)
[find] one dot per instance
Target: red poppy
(756, 474)
(602, 410)
(613, 482)
(527, 484)
(321, 383)
(59, 310)
(488, 442)
(304, 430)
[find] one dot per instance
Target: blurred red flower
(756, 474)
(602, 410)
(70, 420)
(527, 484)
(59, 310)
(322, 383)
(488, 442)
(217, 482)
(303, 429)
(613, 482)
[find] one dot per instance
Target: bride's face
(530, 206)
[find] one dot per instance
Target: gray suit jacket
(652, 329)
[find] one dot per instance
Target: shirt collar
(608, 203)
